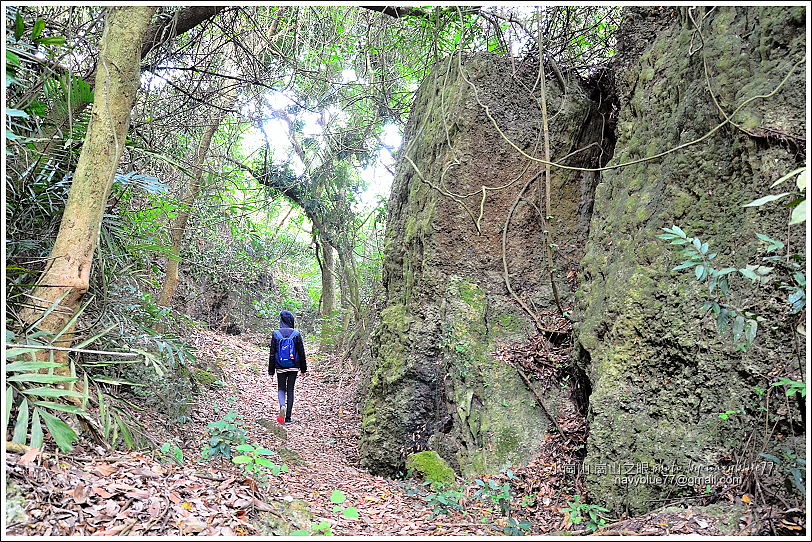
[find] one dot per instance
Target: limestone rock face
(434, 381)
(660, 372)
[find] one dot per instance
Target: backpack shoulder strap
(277, 335)
(293, 335)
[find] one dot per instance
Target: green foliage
(798, 202)
(793, 465)
(224, 434)
(793, 386)
(170, 451)
(337, 498)
(515, 527)
(696, 254)
(495, 494)
(324, 528)
(444, 501)
(254, 462)
(728, 413)
(588, 514)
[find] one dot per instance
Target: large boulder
(434, 381)
(660, 373)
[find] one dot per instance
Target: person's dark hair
(286, 319)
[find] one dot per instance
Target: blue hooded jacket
(286, 320)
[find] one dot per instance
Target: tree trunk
(178, 227)
(67, 276)
(164, 30)
(350, 293)
(327, 303)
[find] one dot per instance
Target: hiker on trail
(286, 360)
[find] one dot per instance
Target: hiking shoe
(289, 422)
(280, 418)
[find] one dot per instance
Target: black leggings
(286, 382)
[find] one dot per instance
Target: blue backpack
(286, 350)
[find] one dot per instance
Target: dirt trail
(326, 436)
(96, 491)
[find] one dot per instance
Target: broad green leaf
(73, 409)
(242, 459)
(351, 512)
(685, 265)
(40, 378)
(766, 199)
(773, 244)
(12, 59)
(53, 40)
(244, 448)
(699, 271)
(62, 433)
(748, 273)
(16, 113)
(788, 176)
(9, 401)
(16, 352)
(39, 26)
(265, 462)
(678, 231)
(722, 321)
(802, 180)
(738, 327)
(337, 497)
(798, 214)
(19, 27)
(36, 431)
(51, 392)
(21, 427)
(116, 381)
(28, 366)
(265, 451)
(771, 457)
(750, 331)
(125, 432)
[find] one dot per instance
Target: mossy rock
(431, 467)
(289, 457)
(285, 517)
(205, 377)
(15, 504)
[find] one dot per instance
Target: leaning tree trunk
(67, 277)
(178, 228)
(350, 293)
(328, 282)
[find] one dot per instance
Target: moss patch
(431, 467)
(15, 504)
(204, 377)
(285, 517)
